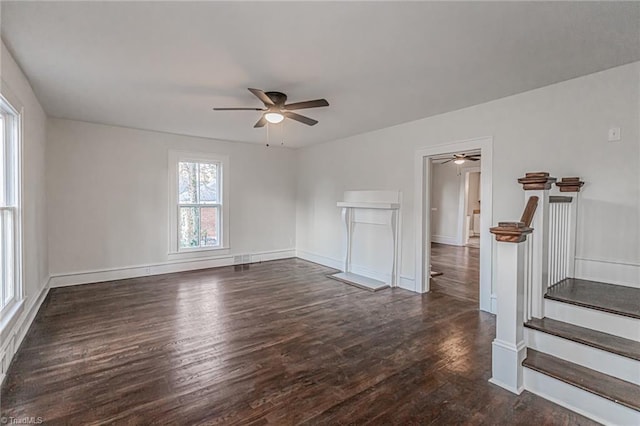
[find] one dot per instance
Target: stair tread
(596, 339)
(605, 386)
(610, 298)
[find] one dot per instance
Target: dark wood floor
(278, 343)
(460, 267)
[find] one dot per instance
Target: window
(198, 202)
(10, 256)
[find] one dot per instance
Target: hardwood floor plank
(460, 271)
(274, 343)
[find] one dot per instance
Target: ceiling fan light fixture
(274, 117)
(459, 161)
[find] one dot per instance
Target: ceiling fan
(459, 158)
(275, 110)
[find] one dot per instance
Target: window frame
(175, 157)
(14, 131)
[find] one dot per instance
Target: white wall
(473, 197)
(35, 255)
(445, 199)
(108, 198)
(560, 128)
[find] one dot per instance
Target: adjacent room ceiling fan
(459, 158)
(275, 110)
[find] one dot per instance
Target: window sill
(9, 319)
(197, 253)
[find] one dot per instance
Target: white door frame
(463, 201)
(422, 181)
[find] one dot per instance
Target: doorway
(424, 168)
(454, 195)
(470, 207)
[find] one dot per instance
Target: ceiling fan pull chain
(268, 135)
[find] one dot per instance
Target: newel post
(539, 184)
(508, 348)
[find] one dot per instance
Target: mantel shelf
(370, 205)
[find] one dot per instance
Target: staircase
(585, 353)
(572, 341)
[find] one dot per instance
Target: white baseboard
(506, 365)
(582, 402)
(320, 259)
(19, 329)
(608, 271)
(85, 277)
(408, 283)
(441, 239)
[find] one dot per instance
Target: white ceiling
(163, 66)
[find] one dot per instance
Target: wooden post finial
(570, 184)
(536, 181)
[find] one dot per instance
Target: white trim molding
(406, 283)
(608, 271)
(506, 362)
(330, 262)
(463, 202)
(14, 334)
(442, 239)
(112, 274)
(422, 180)
(223, 203)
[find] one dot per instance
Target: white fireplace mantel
(355, 201)
(368, 205)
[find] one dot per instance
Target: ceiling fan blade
(301, 118)
(238, 109)
(444, 162)
(307, 104)
(262, 96)
(473, 158)
(260, 123)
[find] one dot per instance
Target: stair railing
(538, 185)
(559, 238)
(563, 225)
(528, 266)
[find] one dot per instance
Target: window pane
(189, 226)
(187, 182)
(3, 238)
(3, 172)
(209, 227)
(208, 183)
(6, 257)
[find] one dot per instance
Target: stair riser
(589, 405)
(587, 356)
(618, 325)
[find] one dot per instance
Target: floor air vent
(242, 259)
